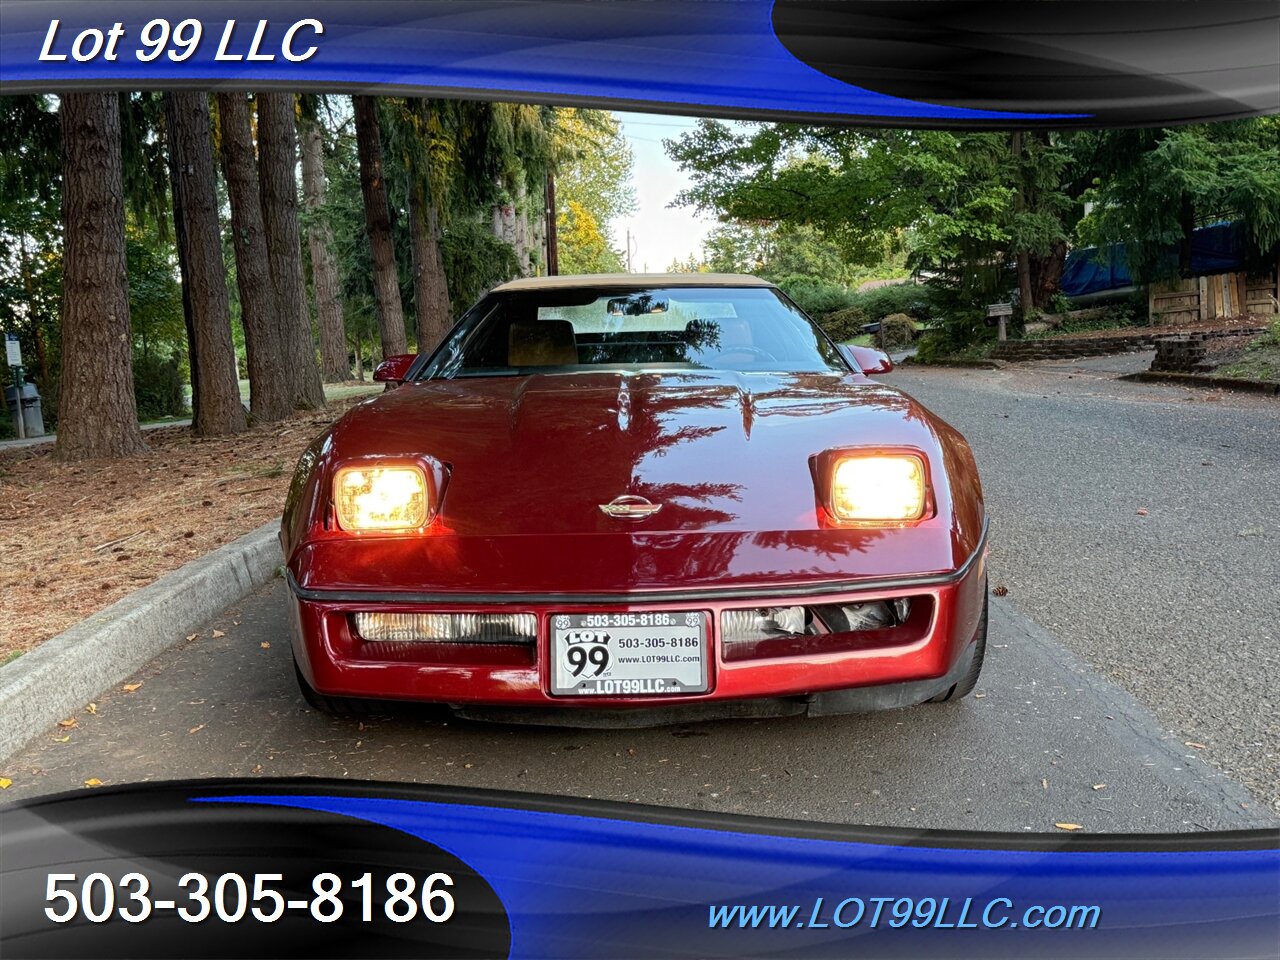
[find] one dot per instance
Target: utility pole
(553, 246)
(628, 250)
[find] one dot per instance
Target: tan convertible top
(633, 280)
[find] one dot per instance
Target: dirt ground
(78, 537)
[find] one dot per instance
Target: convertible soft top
(638, 280)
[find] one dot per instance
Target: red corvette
(630, 499)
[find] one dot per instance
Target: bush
(913, 299)
(896, 331)
(814, 296)
(158, 387)
(961, 331)
(843, 325)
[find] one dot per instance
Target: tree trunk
(324, 268)
(553, 249)
(1026, 297)
(179, 237)
(386, 284)
(278, 182)
(430, 289)
(1047, 274)
(269, 397)
(1187, 220)
(97, 414)
(221, 412)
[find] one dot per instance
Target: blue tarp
(1218, 248)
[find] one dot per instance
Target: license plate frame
(655, 653)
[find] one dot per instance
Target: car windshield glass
(677, 328)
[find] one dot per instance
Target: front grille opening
(756, 633)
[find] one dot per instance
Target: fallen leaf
(219, 633)
(978, 696)
(91, 708)
(61, 739)
(93, 782)
(1068, 826)
(257, 768)
(5, 783)
(192, 636)
(1099, 786)
(197, 729)
(1044, 782)
(1142, 511)
(1001, 591)
(69, 723)
(265, 644)
(1195, 746)
(130, 687)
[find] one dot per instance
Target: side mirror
(394, 369)
(868, 360)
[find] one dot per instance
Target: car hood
(726, 456)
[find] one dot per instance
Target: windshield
(743, 329)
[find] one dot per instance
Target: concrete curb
(1262, 387)
(61, 675)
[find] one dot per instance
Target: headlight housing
(878, 487)
(367, 497)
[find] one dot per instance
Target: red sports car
(630, 499)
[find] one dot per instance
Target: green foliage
(1151, 187)
(815, 297)
(584, 246)
(475, 260)
(845, 324)
(909, 298)
(896, 331)
(1260, 360)
(593, 188)
(155, 296)
(958, 206)
(956, 327)
(158, 386)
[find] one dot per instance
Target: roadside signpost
(1001, 312)
(13, 351)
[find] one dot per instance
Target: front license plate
(628, 654)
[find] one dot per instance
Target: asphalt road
(1179, 605)
(1175, 611)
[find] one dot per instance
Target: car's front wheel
(334, 706)
(964, 686)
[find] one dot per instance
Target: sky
(659, 234)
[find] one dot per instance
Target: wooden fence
(1213, 297)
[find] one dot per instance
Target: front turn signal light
(882, 487)
(380, 498)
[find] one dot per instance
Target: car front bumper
(502, 682)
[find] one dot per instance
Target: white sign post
(13, 349)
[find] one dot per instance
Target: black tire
(964, 686)
(334, 706)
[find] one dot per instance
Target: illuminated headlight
(447, 627)
(880, 487)
(380, 498)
